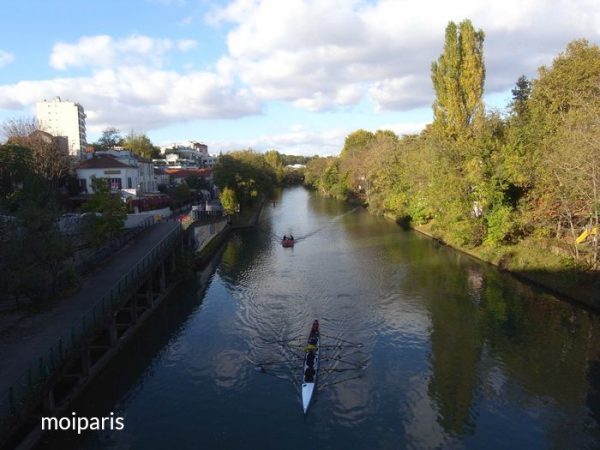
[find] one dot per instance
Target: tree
(573, 172)
(111, 212)
(569, 83)
(19, 128)
(15, 169)
(562, 101)
(274, 159)
(181, 195)
(314, 171)
(458, 78)
(110, 138)
(33, 254)
(521, 93)
(356, 141)
(196, 182)
(247, 173)
(49, 157)
(228, 200)
(32, 251)
(141, 145)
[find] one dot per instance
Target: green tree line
(244, 175)
(488, 179)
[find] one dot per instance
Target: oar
(279, 376)
(281, 341)
(358, 344)
(360, 365)
(326, 385)
(268, 363)
(340, 346)
(341, 355)
(339, 370)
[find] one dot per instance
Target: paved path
(25, 342)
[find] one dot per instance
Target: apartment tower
(65, 119)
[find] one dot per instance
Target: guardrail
(89, 262)
(32, 380)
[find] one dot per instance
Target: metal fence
(90, 261)
(29, 384)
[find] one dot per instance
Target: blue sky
(297, 75)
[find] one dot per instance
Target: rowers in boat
(287, 241)
(311, 366)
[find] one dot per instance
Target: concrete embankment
(206, 240)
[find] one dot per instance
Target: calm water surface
(451, 353)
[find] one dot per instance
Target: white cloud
(402, 128)
(138, 97)
(314, 53)
(106, 51)
(299, 140)
(6, 58)
(400, 93)
(188, 20)
(185, 45)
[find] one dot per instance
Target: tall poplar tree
(458, 78)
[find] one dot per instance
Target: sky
(297, 75)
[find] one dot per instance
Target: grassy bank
(541, 262)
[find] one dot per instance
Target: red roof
(102, 162)
(184, 173)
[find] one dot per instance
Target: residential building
(189, 155)
(64, 119)
(126, 173)
(118, 174)
(145, 178)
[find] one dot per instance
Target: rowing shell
(311, 366)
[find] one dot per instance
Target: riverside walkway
(23, 343)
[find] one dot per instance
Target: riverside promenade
(25, 341)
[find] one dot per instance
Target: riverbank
(215, 235)
(249, 216)
(538, 263)
(541, 263)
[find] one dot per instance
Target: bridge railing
(29, 384)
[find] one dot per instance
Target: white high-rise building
(64, 118)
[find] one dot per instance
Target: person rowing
(310, 348)
(311, 366)
(309, 375)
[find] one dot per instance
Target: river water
(423, 348)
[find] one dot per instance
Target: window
(129, 184)
(115, 184)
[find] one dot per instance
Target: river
(425, 347)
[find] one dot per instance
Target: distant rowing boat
(287, 242)
(311, 366)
